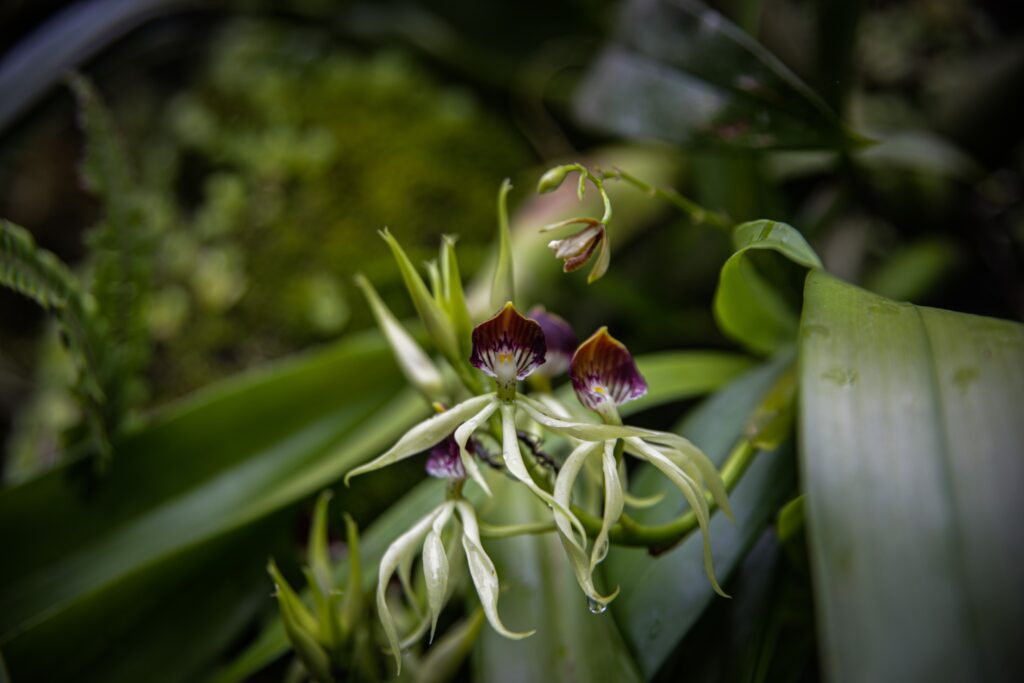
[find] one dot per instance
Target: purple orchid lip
(604, 373)
(444, 461)
(560, 339)
(508, 347)
(575, 250)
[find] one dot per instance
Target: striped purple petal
(508, 347)
(560, 339)
(604, 373)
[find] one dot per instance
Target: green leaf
(911, 457)
(680, 72)
(662, 597)
(216, 464)
(540, 592)
(748, 306)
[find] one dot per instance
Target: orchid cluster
(499, 428)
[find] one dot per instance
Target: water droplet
(596, 607)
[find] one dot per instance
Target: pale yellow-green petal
(393, 556)
(517, 467)
(613, 504)
(481, 570)
(462, 435)
(425, 434)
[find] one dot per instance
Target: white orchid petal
(399, 549)
(564, 482)
(584, 431)
(462, 435)
(425, 434)
(435, 569)
(613, 504)
(482, 571)
(693, 494)
(580, 562)
(517, 467)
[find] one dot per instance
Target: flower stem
(697, 213)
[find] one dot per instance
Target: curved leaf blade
(911, 443)
(747, 306)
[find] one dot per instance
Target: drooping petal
(482, 571)
(691, 491)
(517, 467)
(444, 461)
(566, 479)
(425, 434)
(435, 568)
(577, 555)
(684, 449)
(576, 249)
(604, 373)
(508, 347)
(560, 340)
(613, 504)
(402, 547)
(462, 435)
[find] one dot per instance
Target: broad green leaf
(540, 592)
(680, 72)
(662, 597)
(215, 464)
(911, 457)
(748, 306)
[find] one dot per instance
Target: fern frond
(121, 250)
(42, 277)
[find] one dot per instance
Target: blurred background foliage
(268, 142)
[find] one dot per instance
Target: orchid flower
(604, 376)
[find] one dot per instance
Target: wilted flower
(560, 340)
(576, 249)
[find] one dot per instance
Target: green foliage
(39, 275)
(681, 72)
(910, 450)
(120, 253)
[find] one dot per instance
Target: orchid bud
(554, 177)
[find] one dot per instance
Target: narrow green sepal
(439, 327)
(454, 296)
(503, 286)
(352, 602)
(318, 553)
(301, 628)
